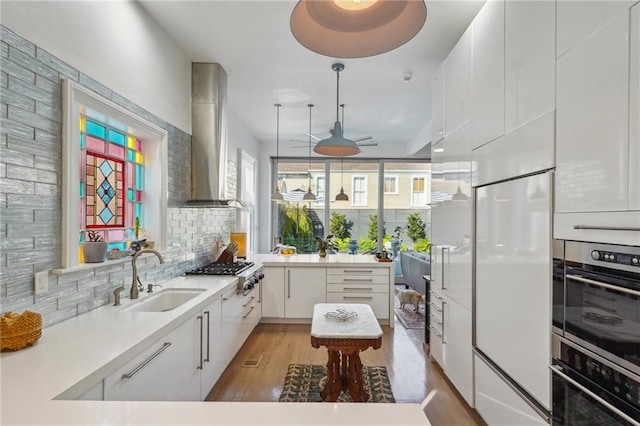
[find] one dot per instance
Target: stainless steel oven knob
(606, 257)
(595, 255)
(635, 260)
(612, 257)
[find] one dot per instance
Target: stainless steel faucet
(135, 290)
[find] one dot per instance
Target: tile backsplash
(31, 194)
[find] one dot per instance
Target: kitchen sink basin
(166, 300)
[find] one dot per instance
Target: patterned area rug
(408, 317)
(304, 383)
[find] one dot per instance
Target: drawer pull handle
(165, 345)
(606, 228)
(357, 297)
(603, 285)
(355, 271)
(249, 302)
(207, 313)
(367, 280)
(358, 288)
(249, 313)
(235, 293)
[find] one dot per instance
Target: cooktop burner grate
(221, 268)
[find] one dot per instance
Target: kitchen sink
(166, 300)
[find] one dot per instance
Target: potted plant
(325, 244)
(95, 248)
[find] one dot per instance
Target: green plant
(339, 225)
(342, 244)
(423, 245)
(415, 227)
(326, 244)
(372, 227)
(295, 226)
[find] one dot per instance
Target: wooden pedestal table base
(344, 367)
(344, 341)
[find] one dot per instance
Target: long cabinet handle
(435, 330)
(201, 338)
(207, 313)
(358, 288)
(435, 308)
(357, 297)
(558, 370)
(249, 302)
(367, 280)
(165, 345)
(607, 228)
(443, 339)
(604, 285)
(234, 294)
(442, 278)
(352, 271)
(249, 313)
(289, 284)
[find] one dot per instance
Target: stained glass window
(111, 182)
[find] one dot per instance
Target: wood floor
(413, 377)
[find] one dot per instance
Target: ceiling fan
(358, 141)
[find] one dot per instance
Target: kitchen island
(293, 284)
(46, 384)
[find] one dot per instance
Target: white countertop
(363, 326)
(75, 354)
(338, 260)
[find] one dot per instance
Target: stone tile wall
(31, 193)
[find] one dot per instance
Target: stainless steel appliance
(249, 275)
(590, 390)
(596, 335)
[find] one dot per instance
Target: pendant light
(341, 195)
(277, 196)
(309, 196)
(356, 28)
(337, 145)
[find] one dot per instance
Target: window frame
(77, 99)
(353, 191)
(397, 186)
(427, 190)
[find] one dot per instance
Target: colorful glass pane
(131, 155)
(139, 157)
(131, 142)
(138, 174)
(82, 189)
(83, 140)
(95, 129)
(102, 205)
(116, 235)
(82, 124)
(139, 212)
(116, 151)
(131, 195)
(95, 144)
(138, 145)
(116, 137)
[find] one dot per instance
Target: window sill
(88, 266)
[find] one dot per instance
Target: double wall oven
(596, 334)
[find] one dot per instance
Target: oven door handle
(558, 370)
(601, 284)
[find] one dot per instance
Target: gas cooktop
(222, 268)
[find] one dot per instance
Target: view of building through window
(405, 194)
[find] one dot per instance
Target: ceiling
(265, 64)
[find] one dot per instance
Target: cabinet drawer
(379, 302)
(360, 271)
(358, 287)
(358, 279)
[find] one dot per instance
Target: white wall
(115, 43)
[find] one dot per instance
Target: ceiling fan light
(336, 145)
(342, 196)
(364, 28)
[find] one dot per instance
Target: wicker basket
(19, 330)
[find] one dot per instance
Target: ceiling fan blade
(299, 140)
(314, 136)
(364, 138)
(368, 144)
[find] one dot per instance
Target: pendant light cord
(309, 169)
(337, 94)
(277, 131)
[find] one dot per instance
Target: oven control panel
(619, 258)
(611, 379)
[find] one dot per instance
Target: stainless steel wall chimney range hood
(209, 137)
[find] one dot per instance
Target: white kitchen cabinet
(273, 294)
(457, 88)
(497, 403)
(94, 393)
(304, 286)
(439, 191)
(456, 342)
(435, 328)
(579, 20)
(488, 76)
(250, 314)
(231, 324)
(213, 363)
(360, 285)
(529, 68)
(165, 371)
(437, 105)
(634, 112)
(592, 145)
